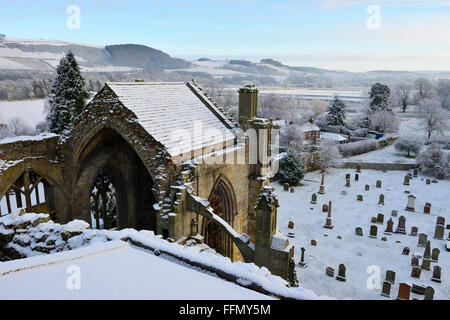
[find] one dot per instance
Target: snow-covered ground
(31, 111)
(355, 252)
(112, 270)
(384, 155)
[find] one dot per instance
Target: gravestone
(427, 253)
(383, 239)
(423, 237)
(380, 218)
(329, 271)
(373, 232)
(314, 198)
(292, 190)
(414, 231)
(358, 168)
(367, 187)
(373, 220)
(322, 185)
(415, 273)
(359, 197)
(435, 255)
(417, 289)
(439, 232)
(381, 199)
(359, 231)
(414, 261)
(389, 227)
(329, 222)
(401, 225)
(286, 186)
(406, 180)
(356, 177)
(386, 290)
(411, 203)
(378, 185)
(313, 242)
(348, 183)
(347, 176)
(427, 209)
(404, 290)
(428, 181)
(291, 233)
(341, 273)
(394, 213)
(436, 274)
(290, 225)
(325, 208)
(429, 293)
(405, 251)
(390, 276)
(426, 257)
(302, 262)
(415, 173)
(440, 220)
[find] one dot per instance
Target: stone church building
(174, 162)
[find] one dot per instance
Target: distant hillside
(140, 56)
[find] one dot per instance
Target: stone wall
(376, 165)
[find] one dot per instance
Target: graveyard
(369, 237)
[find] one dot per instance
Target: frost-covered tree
(379, 97)
(336, 113)
(434, 118)
(408, 145)
(443, 92)
(383, 121)
(434, 161)
(67, 96)
(291, 170)
(402, 93)
(424, 88)
(328, 154)
(292, 136)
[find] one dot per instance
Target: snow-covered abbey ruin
(174, 163)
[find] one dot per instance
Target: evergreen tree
(67, 96)
(336, 113)
(379, 98)
(291, 170)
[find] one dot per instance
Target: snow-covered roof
(170, 110)
(113, 270)
(332, 136)
(308, 126)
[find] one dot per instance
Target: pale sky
(353, 35)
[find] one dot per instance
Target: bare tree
(293, 137)
(434, 118)
(18, 127)
(425, 89)
(402, 94)
(443, 92)
(384, 121)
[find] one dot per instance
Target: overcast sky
(335, 34)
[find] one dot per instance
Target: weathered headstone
(347, 176)
(329, 222)
(373, 232)
(367, 187)
(414, 261)
(417, 289)
(427, 252)
(423, 237)
(359, 197)
(428, 181)
(406, 180)
(381, 199)
(378, 185)
(373, 220)
(292, 190)
(313, 242)
(401, 225)
(405, 251)
(359, 231)
(356, 177)
(329, 271)
(426, 209)
(414, 231)
(429, 293)
(290, 225)
(404, 290)
(415, 273)
(440, 220)
(358, 168)
(322, 185)
(380, 218)
(435, 255)
(426, 257)
(302, 262)
(314, 198)
(411, 203)
(341, 273)
(394, 213)
(386, 290)
(291, 233)
(348, 183)
(389, 227)
(286, 186)
(390, 276)
(325, 208)
(439, 232)
(436, 274)
(415, 173)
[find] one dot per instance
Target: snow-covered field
(112, 270)
(355, 252)
(32, 111)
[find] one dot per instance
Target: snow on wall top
(169, 111)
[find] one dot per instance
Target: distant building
(312, 132)
(335, 137)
